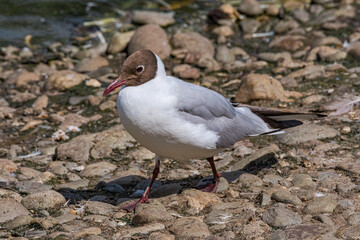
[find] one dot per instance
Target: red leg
(211, 187)
(144, 198)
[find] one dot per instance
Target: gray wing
(200, 105)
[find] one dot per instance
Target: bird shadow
(132, 186)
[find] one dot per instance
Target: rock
(119, 42)
(250, 7)
(43, 200)
(302, 15)
(18, 222)
(138, 230)
(32, 187)
(31, 124)
(254, 230)
(312, 99)
(190, 73)
(161, 236)
(150, 213)
(10, 209)
(150, 17)
(77, 184)
(65, 79)
(303, 181)
(279, 216)
(190, 228)
(286, 197)
(260, 87)
(150, 37)
(326, 53)
(218, 217)
(354, 219)
(306, 132)
(77, 149)
(289, 42)
(325, 204)
(141, 154)
(87, 231)
(91, 64)
(286, 25)
(98, 169)
(43, 69)
(349, 167)
(19, 97)
(100, 208)
(352, 232)
(247, 180)
(250, 25)
(110, 104)
(196, 47)
(22, 78)
(195, 201)
(308, 231)
(93, 83)
(259, 157)
(7, 166)
(273, 10)
(224, 54)
(272, 179)
(309, 72)
(40, 103)
(9, 195)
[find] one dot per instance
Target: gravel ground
(67, 165)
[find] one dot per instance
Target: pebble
(190, 228)
(98, 169)
(306, 132)
(119, 42)
(303, 181)
(7, 166)
(325, 204)
(40, 103)
(278, 216)
(100, 208)
(138, 230)
(250, 7)
(65, 79)
(43, 200)
(10, 209)
(150, 37)
(150, 17)
(286, 197)
(260, 87)
(151, 213)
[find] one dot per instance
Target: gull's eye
(140, 68)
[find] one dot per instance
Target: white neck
(160, 72)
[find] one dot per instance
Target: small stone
(190, 73)
(100, 208)
(119, 42)
(150, 37)
(345, 130)
(151, 17)
(138, 230)
(77, 149)
(260, 87)
(93, 83)
(141, 154)
(40, 103)
(306, 132)
(10, 209)
(7, 166)
(161, 236)
(32, 187)
(43, 200)
(150, 213)
(31, 124)
(280, 217)
(87, 231)
(196, 201)
(325, 204)
(303, 181)
(273, 10)
(352, 232)
(75, 185)
(250, 7)
(285, 197)
(98, 169)
(190, 228)
(286, 25)
(110, 104)
(8, 194)
(312, 99)
(247, 180)
(250, 25)
(218, 217)
(91, 64)
(65, 79)
(18, 222)
(302, 231)
(354, 219)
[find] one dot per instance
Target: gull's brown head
(137, 69)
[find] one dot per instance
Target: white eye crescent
(140, 68)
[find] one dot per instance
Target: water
(57, 20)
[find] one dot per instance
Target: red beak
(115, 84)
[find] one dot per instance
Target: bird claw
(130, 207)
(209, 187)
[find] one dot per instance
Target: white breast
(149, 113)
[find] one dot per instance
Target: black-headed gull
(179, 120)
